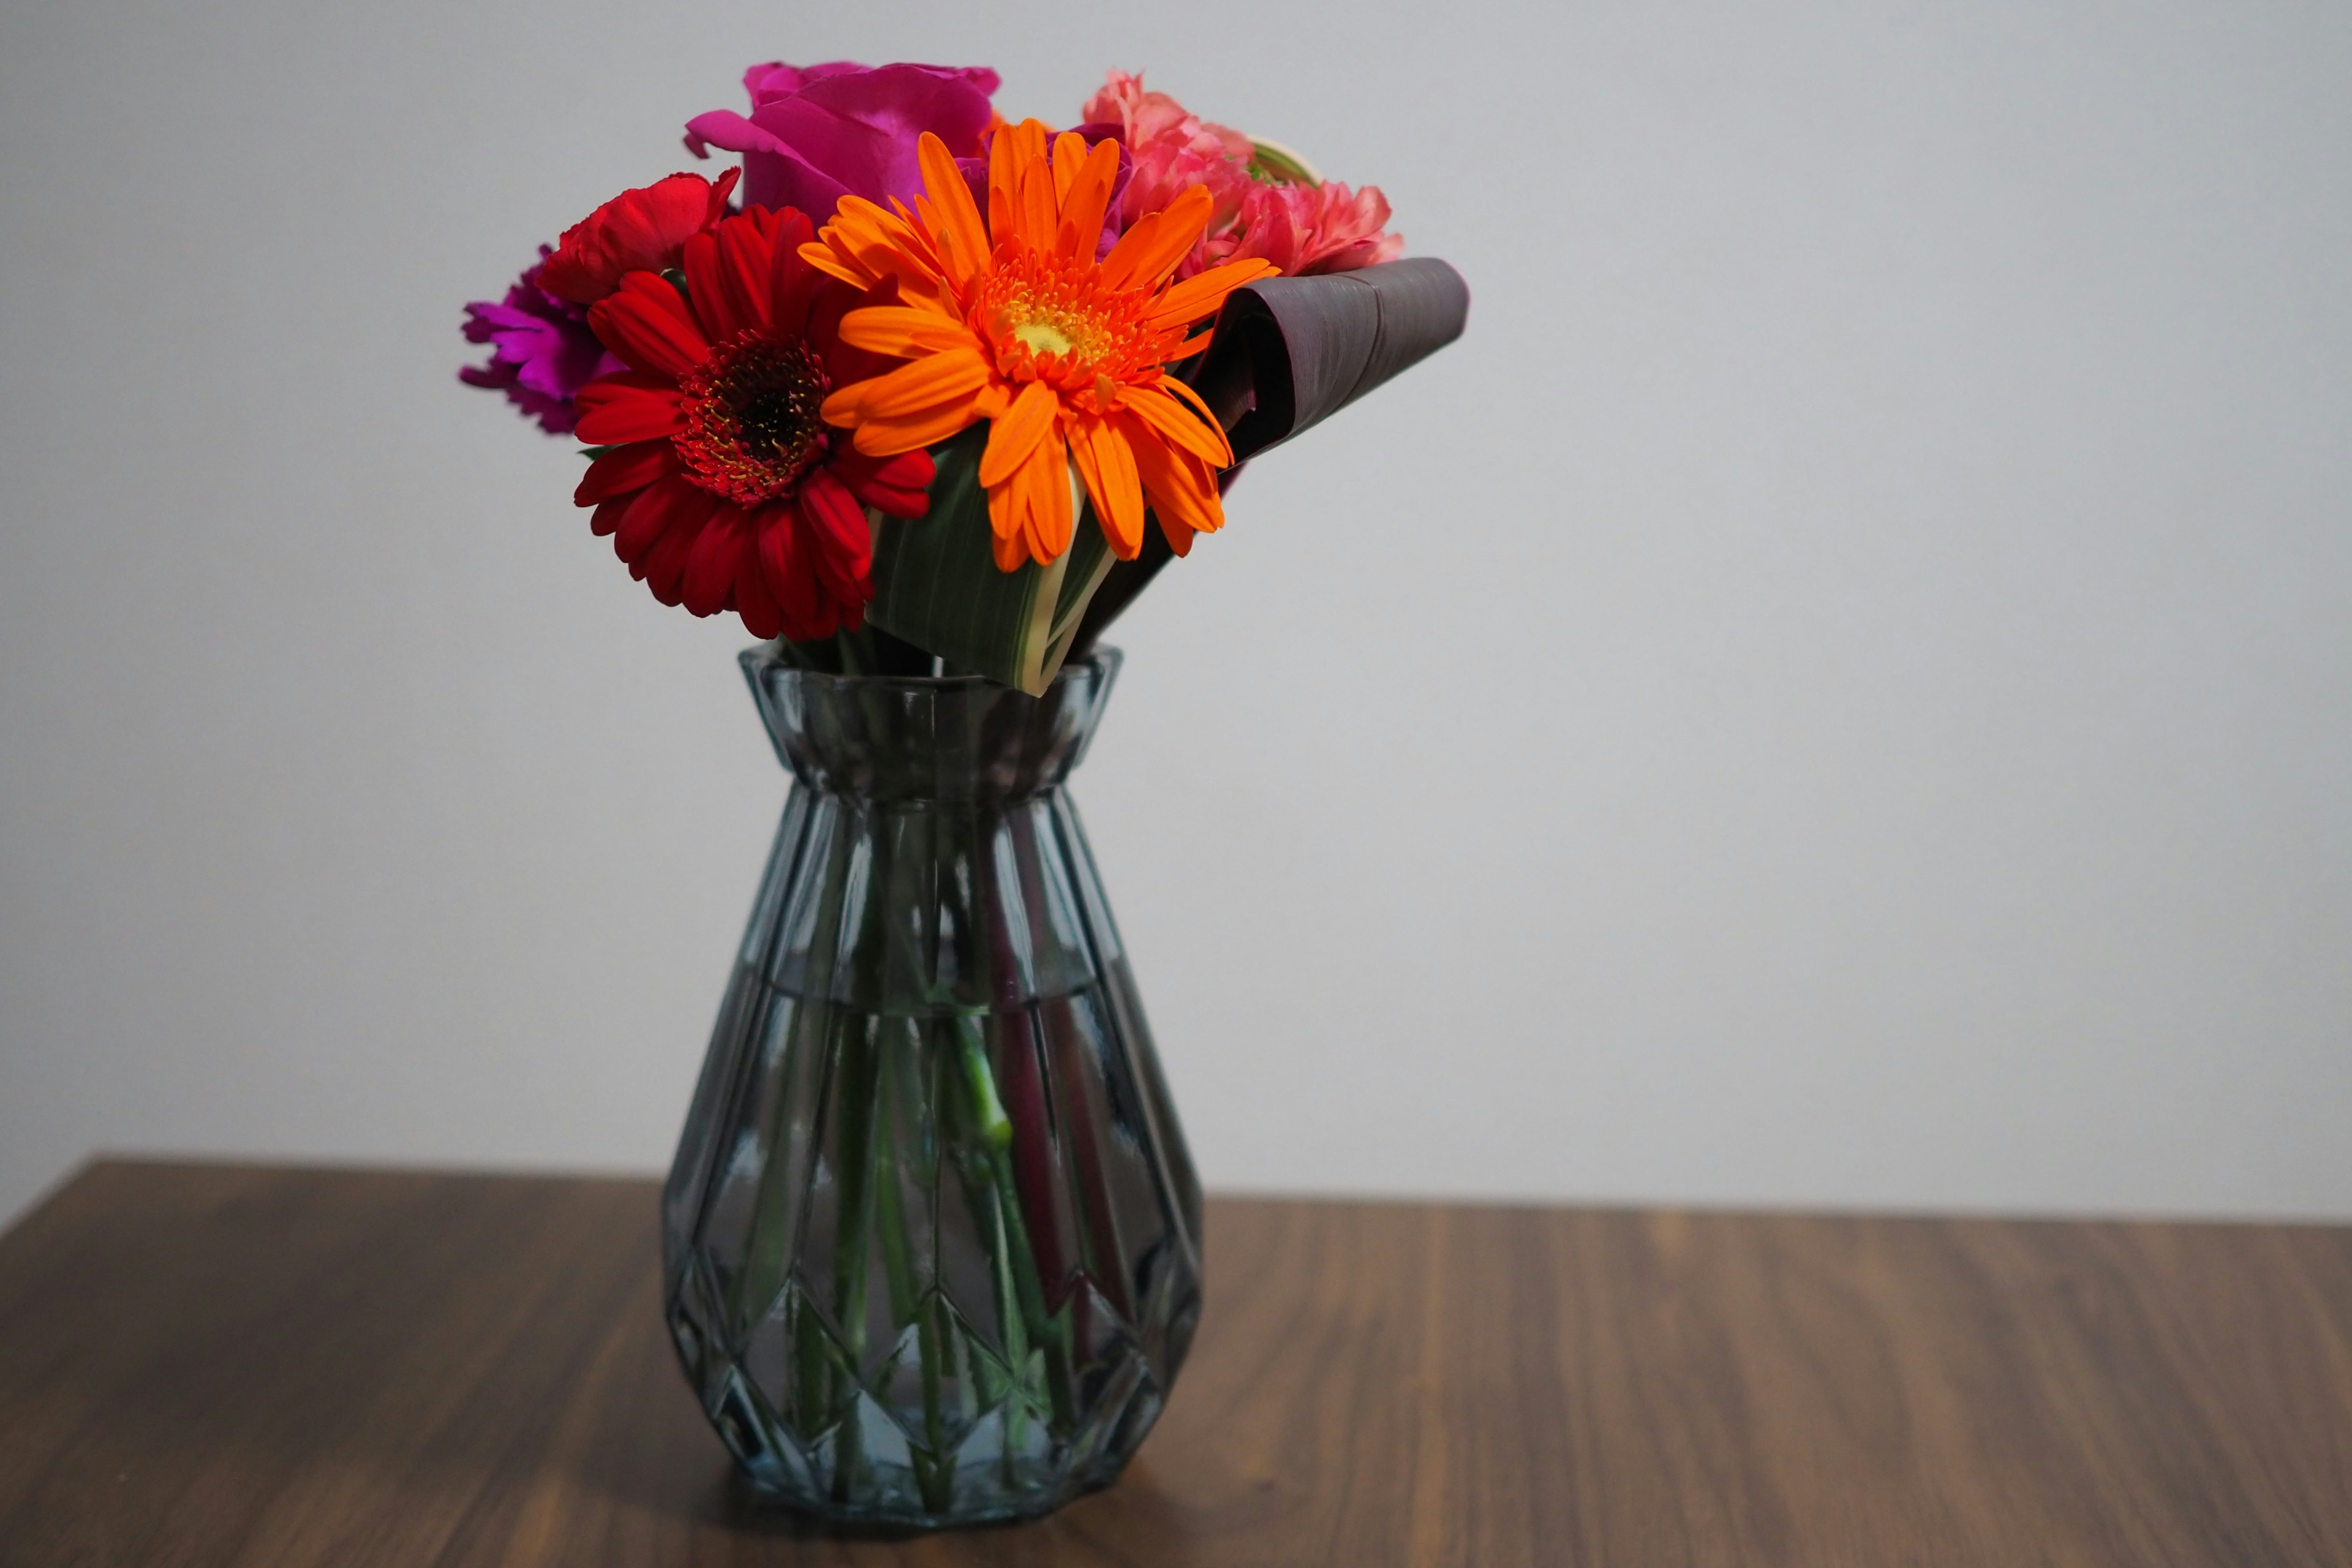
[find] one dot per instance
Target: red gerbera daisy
(724, 489)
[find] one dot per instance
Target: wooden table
(212, 1365)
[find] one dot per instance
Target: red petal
(762, 616)
(783, 557)
(895, 486)
(628, 468)
(675, 502)
(843, 361)
(842, 575)
(720, 189)
(638, 229)
(626, 407)
(711, 565)
(724, 272)
(607, 515)
(837, 521)
(646, 332)
(791, 282)
(663, 567)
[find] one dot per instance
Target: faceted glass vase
(931, 1242)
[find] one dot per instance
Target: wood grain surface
(222, 1365)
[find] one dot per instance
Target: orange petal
(1177, 427)
(1013, 437)
(1106, 464)
(1040, 215)
(1047, 478)
(1012, 550)
(869, 243)
(1200, 294)
(953, 268)
(1182, 492)
(1087, 201)
(1003, 185)
(903, 332)
(1150, 251)
(888, 437)
(934, 379)
(829, 261)
(1069, 153)
(1191, 399)
(1004, 515)
(951, 207)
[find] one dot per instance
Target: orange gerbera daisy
(1010, 318)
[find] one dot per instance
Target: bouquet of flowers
(916, 389)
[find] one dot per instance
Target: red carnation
(725, 490)
(639, 230)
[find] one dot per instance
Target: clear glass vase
(932, 1238)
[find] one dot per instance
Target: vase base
(862, 1468)
(854, 1519)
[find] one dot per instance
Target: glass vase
(932, 1238)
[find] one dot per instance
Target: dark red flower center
(751, 425)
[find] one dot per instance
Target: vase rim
(1101, 658)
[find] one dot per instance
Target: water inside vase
(932, 1236)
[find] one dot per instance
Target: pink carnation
(1307, 229)
(1155, 117)
(1301, 228)
(1173, 149)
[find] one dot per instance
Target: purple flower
(541, 352)
(817, 133)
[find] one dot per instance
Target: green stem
(1021, 1296)
(852, 1224)
(934, 1475)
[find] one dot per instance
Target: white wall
(1838, 691)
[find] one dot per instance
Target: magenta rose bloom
(817, 133)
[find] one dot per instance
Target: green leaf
(937, 586)
(1271, 162)
(1291, 352)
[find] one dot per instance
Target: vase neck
(960, 740)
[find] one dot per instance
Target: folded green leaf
(1289, 353)
(936, 582)
(1272, 161)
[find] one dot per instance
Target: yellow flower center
(1052, 320)
(1045, 337)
